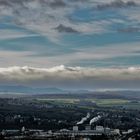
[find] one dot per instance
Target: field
(92, 103)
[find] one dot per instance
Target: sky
(86, 44)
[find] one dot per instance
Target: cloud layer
(117, 4)
(44, 17)
(70, 32)
(72, 77)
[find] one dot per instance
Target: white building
(75, 128)
(100, 129)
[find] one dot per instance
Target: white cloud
(98, 53)
(73, 77)
(95, 53)
(39, 16)
(20, 58)
(13, 34)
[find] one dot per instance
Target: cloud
(14, 34)
(65, 29)
(73, 77)
(96, 53)
(35, 54)
(129, 30)
(116, 4)
(57, 4)
(12, 57)
(50, 18)
(42, 16)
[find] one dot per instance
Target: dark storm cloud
(51, 3)
(79, 1)
(116, 4)
(129, 30)
(64, 29)
(13, 2)
(57, 4)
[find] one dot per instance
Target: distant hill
(19, 90)
(29, 90)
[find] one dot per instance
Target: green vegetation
(110, 102)
(98, 102)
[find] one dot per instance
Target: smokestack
(84, 119)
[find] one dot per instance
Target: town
(68, 118)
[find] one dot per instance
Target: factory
(98, 130)
(87, 127)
